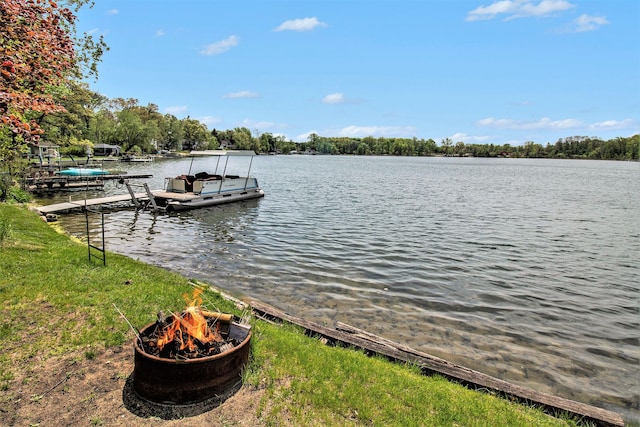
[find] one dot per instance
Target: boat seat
(188, 178)
(188, 182)
(204, 176)
(176, 185)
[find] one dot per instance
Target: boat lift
(142, 204)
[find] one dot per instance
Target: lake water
(526, 270)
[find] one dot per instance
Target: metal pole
(223, 174)
(225, 166)
(104, 252)
(86, 217)
(189, 173)
(246, 180)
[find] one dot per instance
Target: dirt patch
(74, 390)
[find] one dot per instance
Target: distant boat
(82, 172)
(134, 158)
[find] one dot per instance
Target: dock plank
(65, 206)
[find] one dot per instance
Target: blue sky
(506, 71)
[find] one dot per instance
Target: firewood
(162, 319)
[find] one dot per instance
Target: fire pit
(190, 357)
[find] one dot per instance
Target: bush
(16, 195)
(78, 148)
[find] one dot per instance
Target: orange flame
(191, 325)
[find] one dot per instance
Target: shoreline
(75, 248)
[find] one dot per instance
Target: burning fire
(190, 326)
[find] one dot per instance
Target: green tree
(38, 54)
(267, 143)
(324, 146)
(399, 147)
(242, 139)
(78, 147)
(283, 146)
(633, 148)
(129, 130)
(80, 104)
(429, 148)
(446, 144)
(171, 133)
(528, 149)
(313, 141)
(196, 135)
(101, 126)
(363, 149)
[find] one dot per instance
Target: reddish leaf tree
(36, 54)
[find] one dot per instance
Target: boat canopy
(223, 153)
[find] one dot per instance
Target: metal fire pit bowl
(189, 381)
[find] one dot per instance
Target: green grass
(54, 301)
(309, 383)
(5, 230)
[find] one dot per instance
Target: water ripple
(525, 270)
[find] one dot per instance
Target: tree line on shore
(91, 118)
(575, 147)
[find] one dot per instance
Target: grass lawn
(58, 308)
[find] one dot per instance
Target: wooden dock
(79, 204)
(62, 186)
(61, 182)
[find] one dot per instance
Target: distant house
(106, 150)
(44, 150)
(225, 144)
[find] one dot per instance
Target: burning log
(190, 356)
(191, 334)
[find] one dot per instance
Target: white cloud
(469, 139)
(339, 98)
(588, 23)
(176, 110)
(241, 94)
(524, 103)
(221, 46)
(614, 124)
(544, 123)
(386, 131)
(113, 12)
(305, 136)
(210, 121)
(160, 33)
(304, 24)
(333, 98)
(518, 9)
(255, 124)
